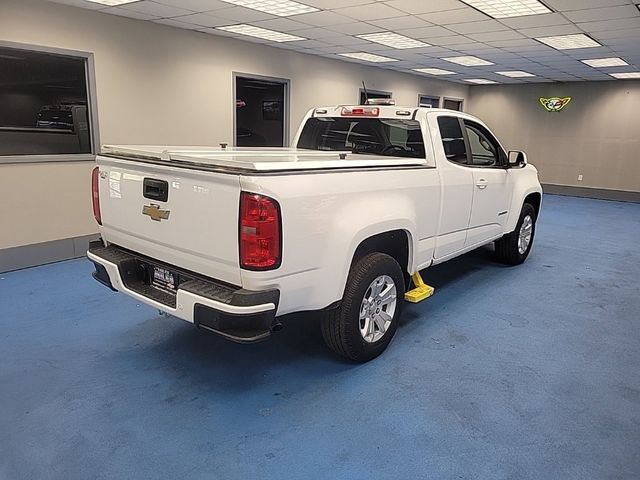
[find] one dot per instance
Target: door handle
(481, 184)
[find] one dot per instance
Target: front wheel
(514, 248)
(364, 324)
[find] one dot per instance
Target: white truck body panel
(329, 206)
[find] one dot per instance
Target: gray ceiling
(451, 27)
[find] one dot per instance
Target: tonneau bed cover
(254, 159)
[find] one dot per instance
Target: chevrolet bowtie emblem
(155, 212)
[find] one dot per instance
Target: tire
(341, 327)
(508, 248)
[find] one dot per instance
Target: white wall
(158, 84)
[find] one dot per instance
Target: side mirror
(517, 158)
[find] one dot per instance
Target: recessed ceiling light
(509, 8)
(280, 8)
(567, 42)
(479, 81)
(251, 31)
(393, 40)
(113, 3)
(468, 61)
(368, 57)
(516, 74)
(605, 62)
(626, 75)
(434, 71)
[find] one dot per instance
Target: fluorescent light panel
(280, 8)
(368, 57)
(516, 74)
(393, 40)
(567, 42)
(479, 81)
(605, 62)
(468, 61)
(508, 8)
(113, 3)
(434, 71)
(625, 75)
(257, 32)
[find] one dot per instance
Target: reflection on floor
(525, 372)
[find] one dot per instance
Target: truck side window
(484, 149)
(452, 139)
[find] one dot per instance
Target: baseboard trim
(16, 258)
(587, 192)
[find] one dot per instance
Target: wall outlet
(580, 177)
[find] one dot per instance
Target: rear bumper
(235, 313)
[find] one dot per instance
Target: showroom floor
(526, 372)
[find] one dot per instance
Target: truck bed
(254, 159)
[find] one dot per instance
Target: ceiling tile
(596, 14)
(495, 36)
(422, 6)
(401, 23)
(425, 32)
(123, 12)
(333, 4)
(550, 31)
(530, 21)
(175, 23)
(315, 33)
(373, 11)
(608, 25)
(566, 5)
(195, 5)
(201, 19)
(478, 27)
(451, 17)
(323, 19)
(281, 25)
(242, 15)
(156, 9)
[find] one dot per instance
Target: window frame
(431, 97)
(502, 156)
(464, 137)
(94, 132)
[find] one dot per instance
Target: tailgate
(187, 218)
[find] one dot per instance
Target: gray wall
(597, 135)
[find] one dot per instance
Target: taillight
(360, 111)
(259, 232)
(95, 194)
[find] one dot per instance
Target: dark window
(372, 94)
(43, 104)
(485, 150)
(452, 139)
(372, 136)
(428, 101)
(452, 104)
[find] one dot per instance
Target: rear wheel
(514, 248)
(364, 324)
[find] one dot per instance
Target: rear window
(370, 136)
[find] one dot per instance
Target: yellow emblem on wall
(554, 104)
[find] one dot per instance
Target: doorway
(261, 111)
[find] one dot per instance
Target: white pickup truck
(232, 239)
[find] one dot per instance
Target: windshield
(371, 136)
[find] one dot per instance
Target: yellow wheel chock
(421, 290)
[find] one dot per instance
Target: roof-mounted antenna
(366, 94)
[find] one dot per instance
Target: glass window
(43, 99)
(428, 101)
(484, 148)
(452, 104)
(371, 94)
(452, 139)
(372, 136)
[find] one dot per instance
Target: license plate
(163, 279)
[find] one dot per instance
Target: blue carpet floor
(530, 372)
